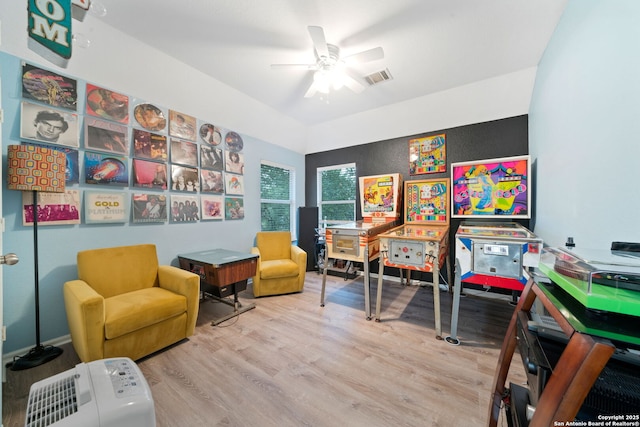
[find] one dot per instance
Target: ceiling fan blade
(311, 91)
(293, 66)
(365, 56)
(353, 83)
(319, 41)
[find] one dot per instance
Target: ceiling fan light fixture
(321, 81)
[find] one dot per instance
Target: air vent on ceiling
(378, 77)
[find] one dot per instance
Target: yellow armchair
(124, 304)
(281, 266)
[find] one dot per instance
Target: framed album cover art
(53, 208)
(148, 145)
(182, 125)
(234, 208)
(184, 178)
(184, 152)
(212, 207)
(184, 208)
(107, 104)
(48, 87)
(210, 134)
(211, 181)
(148, 174)
(211, 158)
(49, 125)
(105, 136)
(105, 169)
(234, 184)
(103, 208)
(234, 162)
(150, 117)
(149, 207)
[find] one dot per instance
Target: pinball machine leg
(457, 286)
(367, 287)
(379, 293)
(324, 277)
(436, 299)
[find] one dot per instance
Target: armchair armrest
(256, 278)
(300, 257)
(184, 283)
(85, 316)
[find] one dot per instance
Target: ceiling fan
(330, 69)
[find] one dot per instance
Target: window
(337, 194)
(277, 197)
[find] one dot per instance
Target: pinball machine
(422, 242)
(380, 198)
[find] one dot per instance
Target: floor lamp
(36, 169)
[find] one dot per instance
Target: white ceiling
(429, 45)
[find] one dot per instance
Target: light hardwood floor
(290, 362)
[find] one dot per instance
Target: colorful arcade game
(422, 243)
(492, 254)
(380, 197)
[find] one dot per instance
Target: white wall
(492, 99)
(584, 124)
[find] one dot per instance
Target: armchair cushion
(278, 268)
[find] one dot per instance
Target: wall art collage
(177, 168)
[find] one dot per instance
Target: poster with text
(48, 87)
(101, 207)
(53, 208)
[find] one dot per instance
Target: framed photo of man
(49, 125)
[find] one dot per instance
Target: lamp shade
(35, 168)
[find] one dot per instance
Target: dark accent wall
(497, 138)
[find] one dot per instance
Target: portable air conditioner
(103, 393)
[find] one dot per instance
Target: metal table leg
(324, 276)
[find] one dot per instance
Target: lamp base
(37, 356)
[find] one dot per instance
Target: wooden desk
(222, 273)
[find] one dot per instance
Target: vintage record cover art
(233, 141)
(150, 117)
(210, 134)
(212, 207)
(105, 169)
(49, 125)
(427, 155)
(147, 145)
(184, 152)
(234, 184)
(182, 125)
(184, 178)
(184, 208)
(49, 87)
(212, 181)
(211, 158)
(149, 207)
(105, 136)
(107, 104)
(233, 208)
(147, 174)
(234, 162)
(101, 207)
(53, 208)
